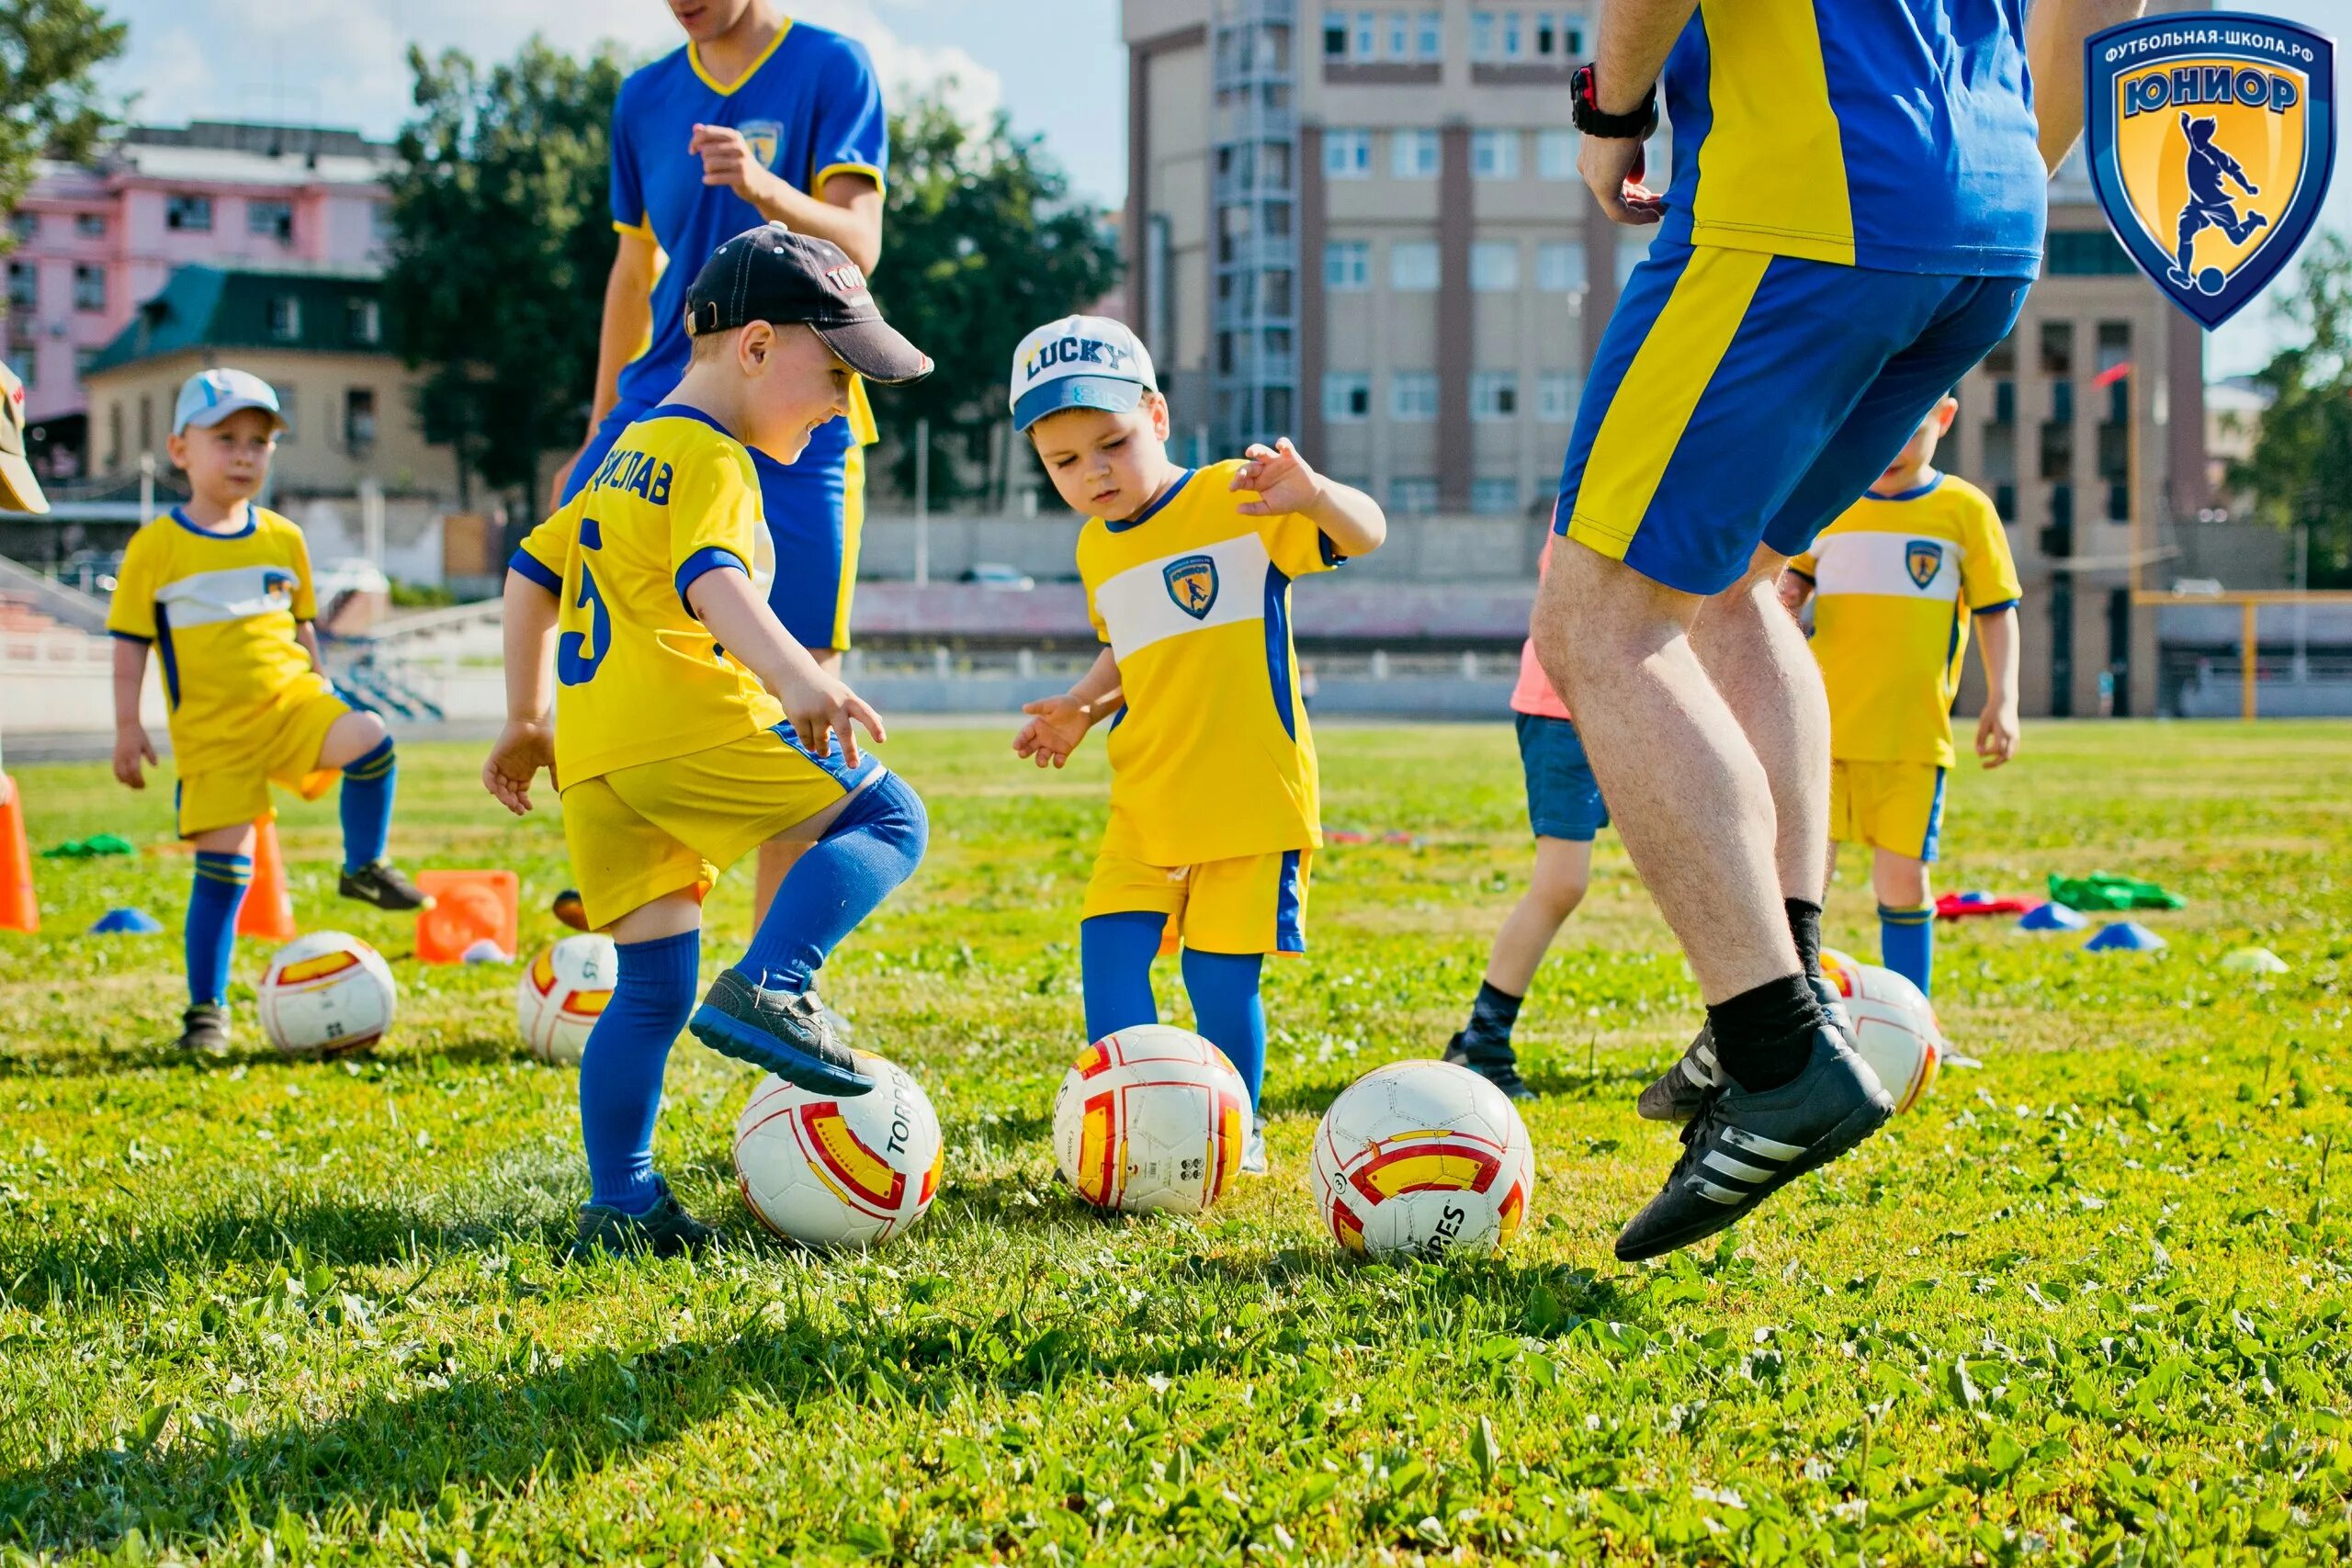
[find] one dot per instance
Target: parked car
(999, 577)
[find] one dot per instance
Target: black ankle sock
(1764, 1037)
(1804, 925)
(1491, 1017)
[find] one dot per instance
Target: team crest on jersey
(1192, 583)
(1923, 559)
(2211, 140)
(762, 137)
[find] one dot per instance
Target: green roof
(207, 307)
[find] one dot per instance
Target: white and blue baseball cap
(1079, 362)
(211, 396)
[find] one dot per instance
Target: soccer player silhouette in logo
(1196, 594)
(2209, 201)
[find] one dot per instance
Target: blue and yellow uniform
(1215, 816)
(809, 109)
(1856, 210)
(248, 708)
(673, 758)
(1896, 580)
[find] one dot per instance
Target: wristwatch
(1590, 118)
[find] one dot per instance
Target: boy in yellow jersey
(220, 589)
(1894, 583)
(690, 728)
(1213, 815)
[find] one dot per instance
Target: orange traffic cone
(269, 911)
(468, 907)
(18, 909)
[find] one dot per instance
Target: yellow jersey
(221, 611)
(1211, 758)
(1896, 580)
(637, 679)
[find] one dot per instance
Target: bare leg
(1563, 870)
(1899, 882)
(778, 855)
(1757, 658)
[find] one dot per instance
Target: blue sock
(1906, 940)
(1223, 988)
(1115, 954)
(220, 883)
(620, 1071)
(367, 806)
(873, 846)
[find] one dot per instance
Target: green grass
(2086, 1304)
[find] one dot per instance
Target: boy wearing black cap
(689, 728)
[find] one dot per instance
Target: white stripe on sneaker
(1739, 1169)
(1757, 1144)
(1706, 1055)
(1723, 1195)
(1695, 1073)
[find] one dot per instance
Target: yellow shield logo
(762, 137)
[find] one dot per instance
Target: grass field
(2086, 1304)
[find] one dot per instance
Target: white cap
(211, 396)
(1078, 362)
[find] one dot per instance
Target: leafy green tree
(2301, 472)
(501, 246)
(50, 106)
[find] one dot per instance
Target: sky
(1055, 66)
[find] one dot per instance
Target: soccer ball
(563, 994)
(840, 1173)
(1422, 1159)
(326, 995)
(1895, 1028)
(1151, 1119)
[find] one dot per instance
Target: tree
(979, 245)
(502, 242)
(2301, 472)
(50, 107)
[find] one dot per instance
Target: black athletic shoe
(787, 1034)
(568, 909)
(1741, 1147)
(1499, 1065)
(204, 1030)
(1675, 1095)
(384, 885)
(665, 1230)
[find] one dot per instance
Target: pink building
(94, 242)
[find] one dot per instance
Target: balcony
(1260, 253)
(1254, 122)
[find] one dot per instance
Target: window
(1428, 36)
(90, 225)
(1494, 396)
(1412, 497)
(1400, 35)
(1494, 154)
(1412, 396)
(1347, 265)
(1494, 267)
(359, 420)
(146, 422)
(285, 317)
(1556, 154)
(1482, 35)
(1555, 397)
(24, 286)
(1631, 248)
(1494, 498)
(1558, 35)
(380, 222)
(365, 320)
(82, 360)
(1412, 266)
(286, 401)
(271, 220)
(26, 226)
(113, 436)
(89, 287)
(1347, 397)
(1367, 35)
(24, 358)
(2057, 348)
(1512, 37)
(1347, 154)
(2088, 253)
(1412, 155)
(1559, 266)
(1335, 35)
(191, 213)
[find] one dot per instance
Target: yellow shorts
(1895, 807)
(640, 833)
(1251, 904)
(287, 757)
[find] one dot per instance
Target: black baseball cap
(770, 273)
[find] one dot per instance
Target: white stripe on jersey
(1138, 608)
(1868, 561)
(233, 593)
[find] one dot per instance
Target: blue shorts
(1563, 797)
(816, 515)
(1738, 399)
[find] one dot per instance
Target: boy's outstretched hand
(1284, 481)
(523, 747)
(1997, 734)
(1056, 726)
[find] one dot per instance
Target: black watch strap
(1592, 120)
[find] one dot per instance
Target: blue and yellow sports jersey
(1895, 580)
(809, 108)
(637, 678)
(221, 611)
(1211, 758)
(1895, 134)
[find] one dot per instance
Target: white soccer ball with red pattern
(1421, 1159)
(1895, 1028)
(1151, 1120)
(325, 994)
(563, 994)
(828, 1170)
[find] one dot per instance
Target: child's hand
(1997, 734)
(824, 706)
(130, 745)
(523, 747)
(1056, 726)
(1284, 480)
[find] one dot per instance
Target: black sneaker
(787, 1034)
(204, 1030)
(1741, 1147)
(665, 1230)
(384, 885)
(1675, 1094)
(1499, 1065)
